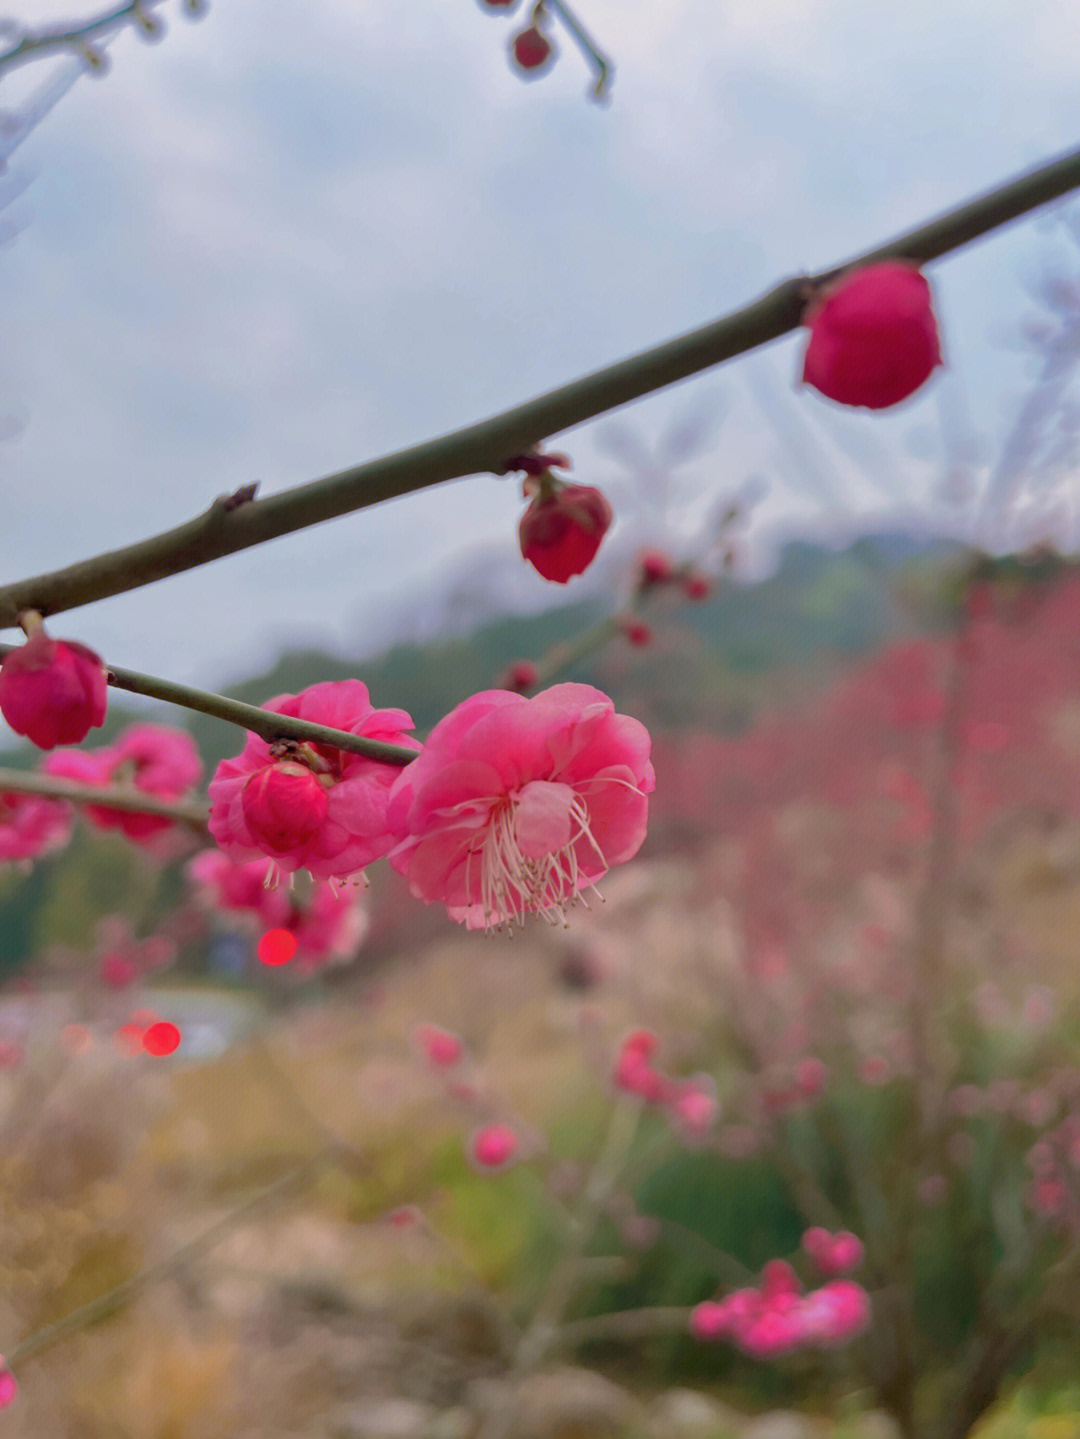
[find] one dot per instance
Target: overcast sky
(289, 238)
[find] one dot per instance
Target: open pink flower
(311, 806)
(31, 825)
(155, 760)
(517, 804)
(52, 691)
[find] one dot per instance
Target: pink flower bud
(695, 1107)
(8, 1387)
(284, 805)
(844, 1254)
(493, 1146)
(52, 691)
(697, 587)
(655, 568)
(637, 632)
(561, 530)
(873, 336)
(520, 677)
(816, 1242)
(440, 1047)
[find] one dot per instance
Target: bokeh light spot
(161, 1038)
(277, 946)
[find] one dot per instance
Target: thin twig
(75, 38)
(17, 781)
(485, 447)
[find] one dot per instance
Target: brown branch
(484, 447)
(17, 781)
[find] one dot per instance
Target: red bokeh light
(161, 1038)
(277, 946)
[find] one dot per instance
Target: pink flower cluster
(154, 760)
(690, 1102)
(778, 1318)
(311, 806)
(31, 826)
(326, 925)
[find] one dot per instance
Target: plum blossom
(52, 691)
(561, 530)
(311, 806)
(31, 825)
(517, 804)
(325, 924)
(777, 1318)
(493, 1146)
(152, 759)
(873, 336)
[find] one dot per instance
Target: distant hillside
(712, 662)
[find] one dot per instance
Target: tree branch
(265, 723)
(34, 45)
(18, 781)
(228, 527)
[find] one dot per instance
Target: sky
(285, 239)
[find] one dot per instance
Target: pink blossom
(873, 336)
(31, 825)
(8, 1386)
(268, 803)
(152, 759)
(493, 1146)
(517, 804)
(440, 1048)
(771, 1334)
(833, 1253)
(835, 1313)
(52, 691)
(778, 1280)
(695, 1107)
(634, 1074)
(654, 568)
(709, 1320)
(326, 924)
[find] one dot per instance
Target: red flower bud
(656, 568)
(284, 806)
(873, 336)
(52, 691)
(532, 51)
(561, 530)
(637, 633)
(520, 677)
(696, 587)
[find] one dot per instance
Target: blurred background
(245, 1183)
